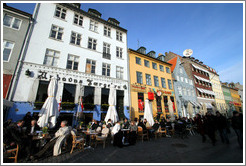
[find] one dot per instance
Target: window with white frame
(119, 72)
(138, 60)
(148, 79)
(75, 38)
(193, 93)
(90, 66)
(106, 69)
(7, 50)
(107, 31)
(93, 26)
(156, 81)
(51, 57)
(60, 12)
(78, 20)
(146, 63)
(106, 51)
(118, 36)
(186, 80)
(119, 52)
(184, 91)
(11, 22)
(177, 77)
(56, 32)
(180, 70)
(169, 84)
(92, 43)
(72, 62)
(139, 77)
(182, 79)
(191, 83)
(180, 90)
(188, 92)
(154, 65)
(163, 83)
(161, 68)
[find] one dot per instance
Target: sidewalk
(162, 150)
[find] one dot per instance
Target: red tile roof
(173, 62)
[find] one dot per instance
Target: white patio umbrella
(111, 113)
(190, 110)
(184, 111)
(148, 114)
(171, 111)
(49, 112)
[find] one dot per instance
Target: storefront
(71, 86)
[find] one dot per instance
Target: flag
(59, 105)
(81, 104)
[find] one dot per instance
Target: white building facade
(85, 52)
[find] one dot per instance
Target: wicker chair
(77, 140)
(141, 134)
(160, 132)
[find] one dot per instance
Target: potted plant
(45, 131)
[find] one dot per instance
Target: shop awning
(7, 103)
(195, 104)
(199, 68)
(206, 91)
(208, 105)
(203, 79)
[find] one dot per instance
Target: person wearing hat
(237, 125)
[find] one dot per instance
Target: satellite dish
(187, 52)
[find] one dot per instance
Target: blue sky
(214, 31)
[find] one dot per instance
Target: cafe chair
(103, 137)
(160, 132)
(77, 141)
(141, 134)
(12, 153)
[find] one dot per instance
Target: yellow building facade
(236, 99)
(150, 75)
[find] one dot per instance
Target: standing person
(200, 126)
(209, 125)
(133, 133)
(118, 135)
(221, 123)
(237, 125)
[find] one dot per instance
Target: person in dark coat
(221, 124)
(200, 126)
(94, 125)
(237, 125)
(133, 133)
(32, 127)
(126, 124)
(27, 119)
(210, 126)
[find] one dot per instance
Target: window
(177, 78)
(169, 84)
(186, 80)
(146, 63)
(56, 32)
(75, 38)
(88, 95)
(180, 70)
(188, 92)
(154, 65)
(7, 50)
(166, 103)
(60, 12)
(72, 62)
(148, 79)
(106, 69)
(193, 93)
(163, 83)
(93, 26)
(139, 78)
(184, 91)
(118, 36)
(51, 57)
(90, 66)
(182, 79)
(78, 20)
(156, 81)
(191, 83)
(42, 91)
(161, 68)
(119, 72)
(107, 31)
(119, 52)
(11, 22)
(138, 60)
(180, 90)
(106, 51)
(140, 102)
(104, 96)
(167, 69)
(92, 43)
(68, 94)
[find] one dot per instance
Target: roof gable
(173, 62)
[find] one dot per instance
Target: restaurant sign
(138, 88)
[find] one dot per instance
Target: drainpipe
(129, 81)
(18, 67)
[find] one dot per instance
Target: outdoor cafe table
(90, 134)
(41, 141)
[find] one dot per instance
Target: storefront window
(88, 95)
(68, 93)
(42, 91)
(172, 99)
(158, 103)
(165, 103)
(140, 102)
(104, 96)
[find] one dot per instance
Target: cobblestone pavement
(161, 150)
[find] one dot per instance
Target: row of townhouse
(87, 54)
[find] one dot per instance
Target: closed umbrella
(190, 110)
(49, 111)
(204, 108)
(111, 114)
(148, 114)
(171, 111)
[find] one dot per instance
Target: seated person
(109, 123)
(141, 124)
(168, 127)
(154, 128)
(118, 135)
(133, 133)
(126, 124)
(146, 123)
(56, 142)
(32, 127)
(94, 125)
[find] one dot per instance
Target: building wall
(6, 82)
(148, 70)
(236, 99)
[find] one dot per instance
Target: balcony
(107, 55)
